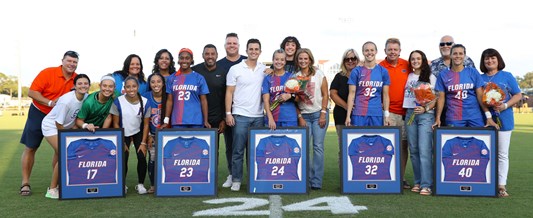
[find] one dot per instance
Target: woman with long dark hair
(133, 67)
(419, 131)
(164, 63)
(128, 113)
(155, 107)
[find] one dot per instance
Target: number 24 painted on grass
(336, 205)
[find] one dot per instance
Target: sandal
(25, 190)
(425, 191)
(416, 188)
(406, 185)
(502, 193)
(151, 190)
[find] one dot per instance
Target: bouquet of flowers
(424, 95)
(295, 85)
(493, 96)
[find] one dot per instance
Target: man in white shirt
(244, 107)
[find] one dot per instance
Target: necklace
(491, 76)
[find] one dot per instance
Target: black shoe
(316, 188)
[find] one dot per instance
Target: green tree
(526, 81)
(94, 87)
(9, 86)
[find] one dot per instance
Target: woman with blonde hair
(314, 110)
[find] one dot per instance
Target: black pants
(151, 161)
(141, 158)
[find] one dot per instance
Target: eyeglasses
(446, 43)
(350, 59)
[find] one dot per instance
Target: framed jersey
(90, 164)
(466, 161)
(278, 161)
(370, 160)
(186, 162)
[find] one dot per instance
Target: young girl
(128, 113)
(155, 105)
(369, 91)
(419, 132)
(273, 88)
(187, 92)
(63, 116)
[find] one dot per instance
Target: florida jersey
(186, 160)
(465, 160)
(368, 90)
(186, 90)
(460, 91)
(153, 108)
(277, 158)
(274, 85)
(371, 157)
(92, 162)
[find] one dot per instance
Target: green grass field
(404, 205)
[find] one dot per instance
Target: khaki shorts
(396, 120)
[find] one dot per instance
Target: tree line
(9, 84)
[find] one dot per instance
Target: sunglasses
(446, 43)
(350, 59)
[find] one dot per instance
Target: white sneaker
(52, 193)
(236, 186)
(140, 189)
(125, 189)
(228, 182)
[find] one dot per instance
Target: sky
(35, 34)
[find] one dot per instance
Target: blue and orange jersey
(92, 162)
(465, 160)
(460, 91)
(278, 158)
(371, 157)
(274, 85)
(186, 90)
(186, 160)
(369, 85)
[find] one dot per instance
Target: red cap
(185, 50)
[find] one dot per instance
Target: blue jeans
(240, 140)
(318, 134)
(420, 140)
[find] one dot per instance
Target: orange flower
(423, 96)
(493, 95)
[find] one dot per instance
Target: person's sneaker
(140, 189)
(228, 182)
(125, 189)
(52, 193)
(236, 186)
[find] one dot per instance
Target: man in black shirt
(215, 76)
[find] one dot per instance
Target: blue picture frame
(90, 164)
(286, 171)
(367, 169)
(186, 162)
(466, 161)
